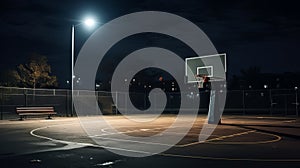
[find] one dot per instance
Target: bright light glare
(89, 22)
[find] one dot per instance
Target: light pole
(89, 22)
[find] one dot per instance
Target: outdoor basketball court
(138, 139)
(240, 139)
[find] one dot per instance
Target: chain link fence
(11, 98)
(282, 102)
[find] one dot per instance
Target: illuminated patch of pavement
(108, 163)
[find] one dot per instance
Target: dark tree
(34, 74)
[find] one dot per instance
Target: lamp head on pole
(89, 22)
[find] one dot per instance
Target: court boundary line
(155, 143)
(161, 154)
(208, 141)
(217, 138)
(278, 138)
(228, 159)
(78, 143)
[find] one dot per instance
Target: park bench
(23, 112)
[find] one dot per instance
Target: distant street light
(89, 22)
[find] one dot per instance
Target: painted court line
(149, 143)
(76, 144)
(277, 138)
(218, 138)
(193, 134)
(134, 141)
(136, 130)
(183, 145)
(229, 159)
(115, 133)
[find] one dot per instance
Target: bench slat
(25, 111)
(36, 107)
(37, 113)
(25, 108)
(33, 110)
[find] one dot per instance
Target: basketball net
(200, 81)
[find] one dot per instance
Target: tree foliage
(34, 74)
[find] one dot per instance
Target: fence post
(285, 104)
(244, 106)
(125, 110)
(296, 92)
(25, 97)
(67, 103)
(2, 97)
(116, 105)
(145, 98)
(271, 102)
(33, 97)
(155, 110)
(72, 102)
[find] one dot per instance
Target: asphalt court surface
(257, 141)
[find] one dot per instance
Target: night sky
(251, 32)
